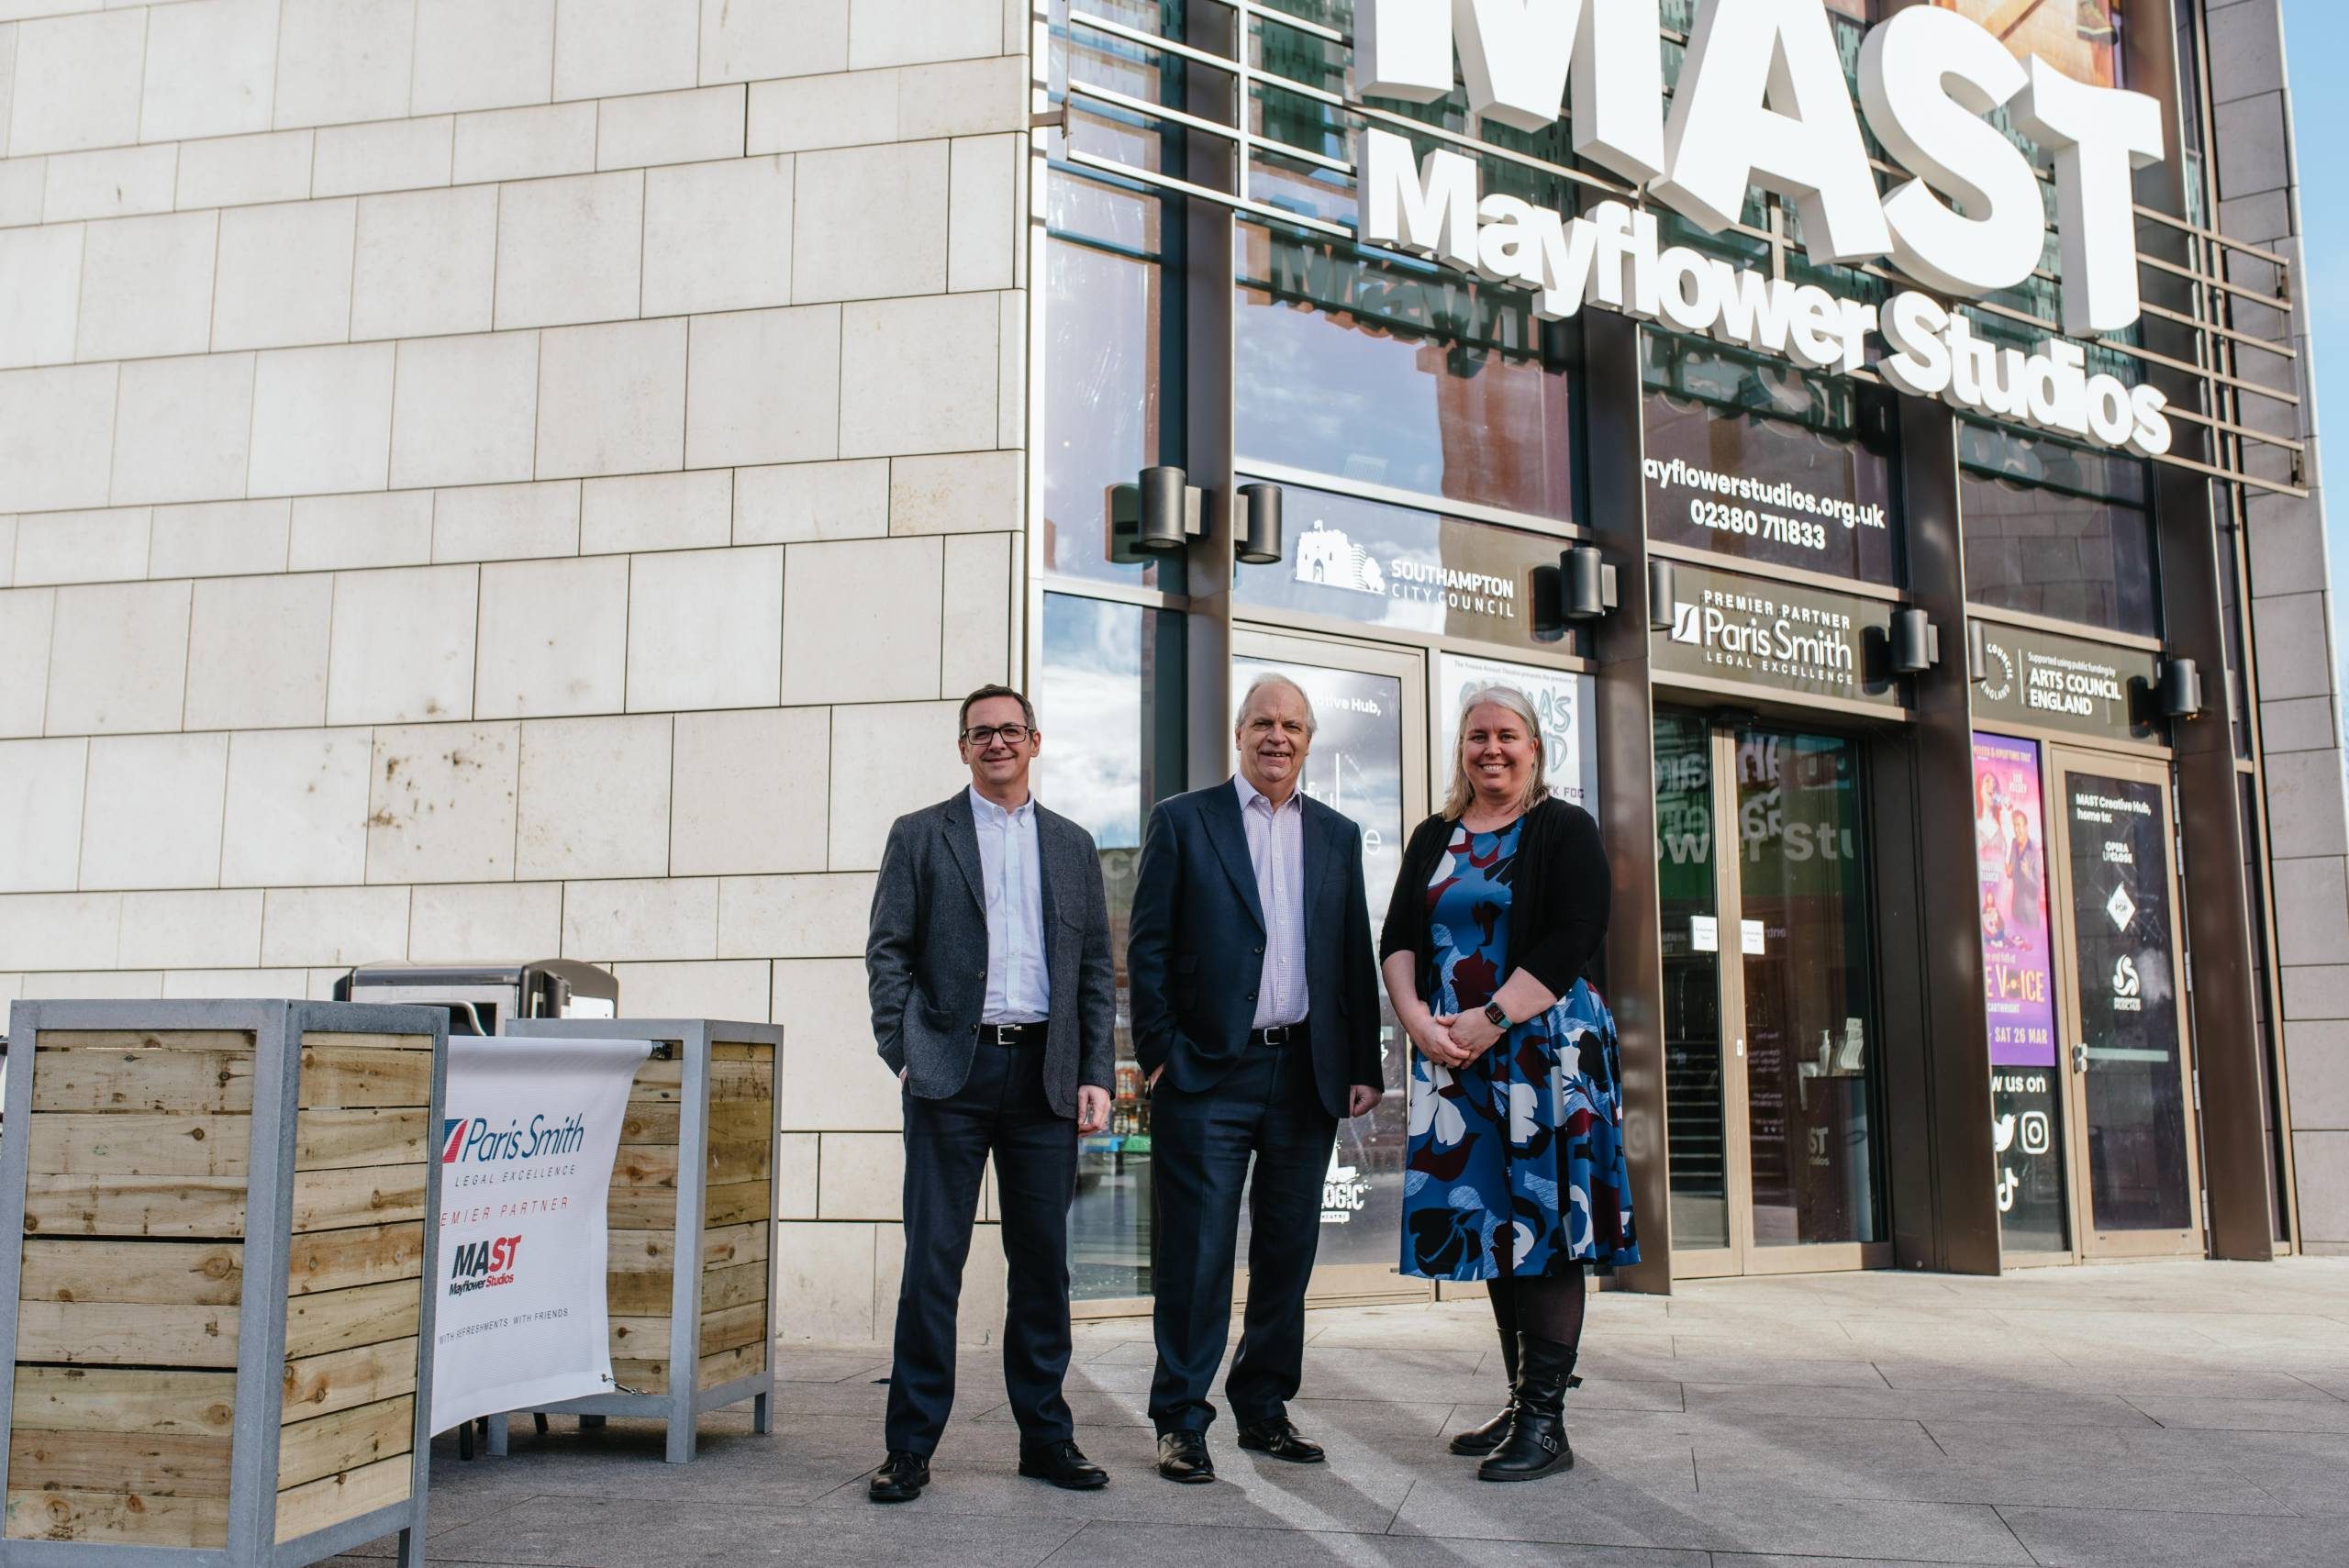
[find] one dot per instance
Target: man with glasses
(993, 999)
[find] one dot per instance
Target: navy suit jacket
(1197, 946)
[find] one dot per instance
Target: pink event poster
(2010, 858)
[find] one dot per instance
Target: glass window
(1111, 322)
(1755, 459)
(1108, 699)
(2057, 530)
(1403, 375)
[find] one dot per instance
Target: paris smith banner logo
(472, 1140)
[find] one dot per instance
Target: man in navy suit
(1255, 1013)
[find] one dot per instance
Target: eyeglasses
(982, 735)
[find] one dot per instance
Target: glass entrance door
(2127, 1075)
(1770, 1010)
(1368, 759)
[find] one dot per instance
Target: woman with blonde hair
(1515, 1173)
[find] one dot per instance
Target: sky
(2316, 44)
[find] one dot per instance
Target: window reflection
(1108, 322)
(2057, 530)
(1109, 698)
(1401, 374)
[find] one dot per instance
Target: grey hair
(1271, 678)
(1463, 794)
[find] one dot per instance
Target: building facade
(497, 481)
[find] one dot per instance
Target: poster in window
(2017, 990)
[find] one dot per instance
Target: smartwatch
(1499, 1019)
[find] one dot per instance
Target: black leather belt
(1012, 1036)
(1281, 1035)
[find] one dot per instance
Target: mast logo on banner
(526, 1153)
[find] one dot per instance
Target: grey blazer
(926, 957)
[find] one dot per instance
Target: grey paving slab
(1956, 1405)
(2247, 1415)
(1600, 1510)
(2306, 1473)
(593, 1532)
(1185, 1546)
(2103, 1538)
(1699, 1366)
(2119, 1377)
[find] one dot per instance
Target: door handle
(2079, 1057)
(1741, 1048)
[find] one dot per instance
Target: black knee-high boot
(1483, 1439)
(1534, 1444)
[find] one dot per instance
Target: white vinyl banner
(527, 1147)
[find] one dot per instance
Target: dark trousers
(1001, 1109)
(1265, 1106)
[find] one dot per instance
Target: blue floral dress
(1515, 1165)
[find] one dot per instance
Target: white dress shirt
(1020, 987)
(1277, 850)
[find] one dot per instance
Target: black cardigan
(1558, 902)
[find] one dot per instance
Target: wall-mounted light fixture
(2179, 694)
(1663, 594)
(1916, 641)
(1256, 525)
(1585, 582)
(1169, 516)
(1977, 653)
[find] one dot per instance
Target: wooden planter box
(691, 1217)
(219, 1315)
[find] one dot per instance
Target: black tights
(1548, 1307)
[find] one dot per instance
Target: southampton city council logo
(1326, 557)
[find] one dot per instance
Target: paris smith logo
(471, 1141)
(479, 1265)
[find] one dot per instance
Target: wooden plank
(103, 1399)
(146, 1039)
(648, 1124)
(640, 1338)
(335, 1498)
(339, 1319)
(740, 1051)
(642, 1374)
(135, 1206)
(329, 1140)
(731, 1328)
(363, 1075)
(645, 1165)
(739, 1081)
(368, 1254)
(638, 1296)
(364, 1041)
(150, 1144)
(727, 1365)
(345, 1440)
(736, 1202)
(107, 1333)
(115, 1518)
(319, 1386)
(741, 1159)
(367, 1195)
(640, 1208)
(744, 1285)
(640, 1251)
(91, 1078)
(180, 1272)
(165, 1465)
(725, 1246)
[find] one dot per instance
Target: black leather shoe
(900, 1478)
(1064, 1465)
(1183, 1456)
(1535, 1443)
(1479, 1441)
(1278, 1437)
